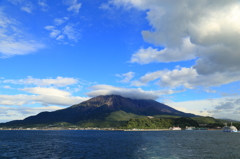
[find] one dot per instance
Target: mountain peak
(102, 108)
(109, 100)
(117, 102)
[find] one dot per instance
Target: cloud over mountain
(128, 92)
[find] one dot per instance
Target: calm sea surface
(118, 144)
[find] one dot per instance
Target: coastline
(100, 129)
(97, 129)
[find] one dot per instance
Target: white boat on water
(189, 128)
(175, 128)
(229, 128)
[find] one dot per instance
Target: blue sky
(57, 53)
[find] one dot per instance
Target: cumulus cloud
(126, 77)
(74, 6)
(186, 77)
(69, 30)
(128, 92)
(206, 31)
(49, 27)
(62, 30)
(203, 21)
(60, 37)
(59, 21)
(27, 9)
(167, 78)
(54, 32)
(185, 52)
(59, 81)
(218, 58)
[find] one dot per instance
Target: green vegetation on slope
(204, 120)
(114, 119)
(159, 123)
(122, 116)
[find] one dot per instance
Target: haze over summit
(55, 54)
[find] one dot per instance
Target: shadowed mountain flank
(108, 108)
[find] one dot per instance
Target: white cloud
(59, 81)
(10, 48)
(127, 77)
(68, 30)
(44, 96)
(54, 32)
(167, 78)
(47, 91)
(49, 27)
(59, 21)
(43, 4)
(203, 21)
(18, 100)
(25, 5)
(12, 41)
(16, 2)
(59, 100)
(207, 31)
(186, 77)
(185, 52)
(210, 91)
(198, 107)
(74, 6)
(27, 9)
(7, 87)
(127, 92)
(148, 77)
(225, 107)
(19, 113)
(60, 37)
(71, 32)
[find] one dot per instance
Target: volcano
(101, 111)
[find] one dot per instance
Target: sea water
(74, 144)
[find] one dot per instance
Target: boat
(175, 128)
(229, 128)
(189, 128)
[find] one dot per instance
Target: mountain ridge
(100, 108)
